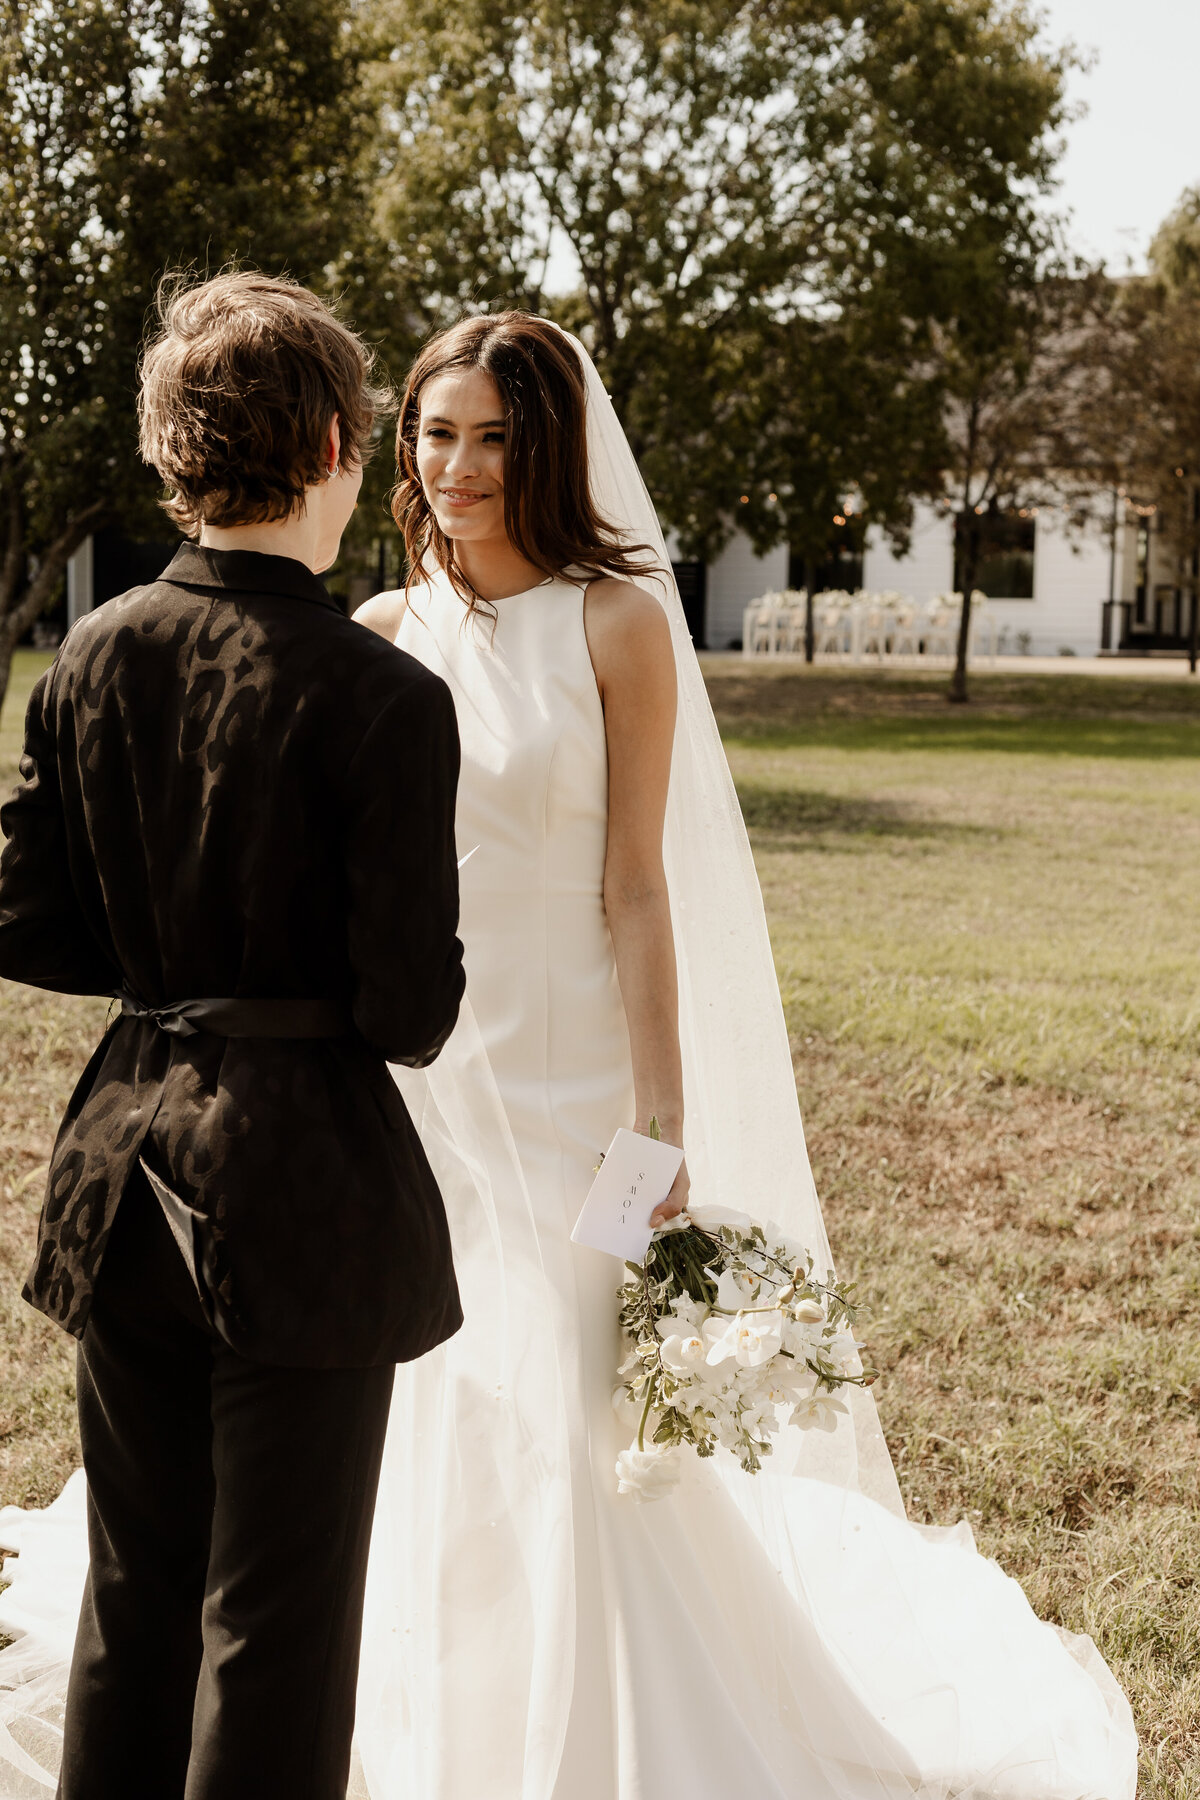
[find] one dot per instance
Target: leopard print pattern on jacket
(231, 789)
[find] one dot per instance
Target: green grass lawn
(27, 666)
(985, 923)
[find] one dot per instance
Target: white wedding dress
(530, 1634)
(776, 1635)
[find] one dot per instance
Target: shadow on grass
(781, 818)
(1120, 739)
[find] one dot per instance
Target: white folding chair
(795, 618)
(873, 629)
(758, 627)
(830, 620)
(906, 631)
(939, 628)
(983, 625)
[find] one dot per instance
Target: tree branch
(21, 612)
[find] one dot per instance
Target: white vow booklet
(635, 1176)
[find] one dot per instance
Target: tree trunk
(8, 643)
(958, 681)
(21, 606)
(1194, 633)
(810, 623)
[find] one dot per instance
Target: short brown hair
(239, 386)
(549, 514)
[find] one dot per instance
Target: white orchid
(794, 1380)
(682, 1312)
(752, 1337)
(648, 1474)
(843, 1353)
(683, 1355)
(820, 1411)
(736, 1288)
(803, 1341)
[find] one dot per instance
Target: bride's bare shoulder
(629, 640)
(619, 615)
(383, 613)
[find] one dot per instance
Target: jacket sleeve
(45, 939)
(402, 876)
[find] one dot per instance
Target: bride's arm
(630, 644)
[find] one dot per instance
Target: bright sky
(1138, 147)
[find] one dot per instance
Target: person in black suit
(237, 818)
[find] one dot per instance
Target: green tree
(760, 211)
(1175, 252)
(140, 136)
(1153, 362)
(846, 434)
(1016, 370)
(1131, 432)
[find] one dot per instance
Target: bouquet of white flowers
(730, 1336)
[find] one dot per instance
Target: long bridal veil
(745, 1139)
(471, 1589)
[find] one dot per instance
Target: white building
(1070, 582)
(1068, 578)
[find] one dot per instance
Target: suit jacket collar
(246, 572)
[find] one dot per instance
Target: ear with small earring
(334, 472)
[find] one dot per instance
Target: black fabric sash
(243, 1018)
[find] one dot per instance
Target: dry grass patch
(44, 1042)
(985, 926)
(1030, 1261)
(768, 698)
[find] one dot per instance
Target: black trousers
(229, 1519)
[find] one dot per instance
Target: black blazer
(230, 789)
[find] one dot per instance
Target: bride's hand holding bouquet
(668, 1132)
(730, 1337)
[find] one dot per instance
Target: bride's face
(460, 453)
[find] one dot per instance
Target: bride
(531, 1633)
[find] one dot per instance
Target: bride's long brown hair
(549, 515)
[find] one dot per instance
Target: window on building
(1005, 567)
